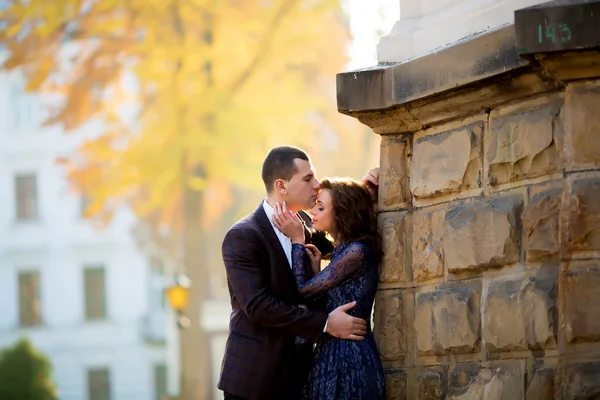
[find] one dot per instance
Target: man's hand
(344, 326)
(371, 181)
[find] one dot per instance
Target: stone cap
(385, 86)
(566, 26)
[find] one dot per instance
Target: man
(259, 361)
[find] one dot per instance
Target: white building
(85, 297)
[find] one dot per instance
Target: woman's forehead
(324, 196)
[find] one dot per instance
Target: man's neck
(273, 199)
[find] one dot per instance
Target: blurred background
(131, 138)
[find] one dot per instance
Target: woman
(342, 369)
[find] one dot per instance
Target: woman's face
(322, 212)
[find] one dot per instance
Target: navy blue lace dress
(343, 369)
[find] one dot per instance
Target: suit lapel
(273, 241)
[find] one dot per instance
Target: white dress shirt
(286, 242)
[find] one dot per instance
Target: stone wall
(490, 284)
(491, 268)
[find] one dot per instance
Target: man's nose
(316, 185)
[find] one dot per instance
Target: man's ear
(280, 186)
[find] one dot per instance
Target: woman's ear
(280, 186)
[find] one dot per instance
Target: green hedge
(25, 374)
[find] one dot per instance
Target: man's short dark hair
(279, 164)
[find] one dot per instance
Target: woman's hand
(288, 223)
(315, 258)
(371, 182)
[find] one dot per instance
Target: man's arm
(251, 291)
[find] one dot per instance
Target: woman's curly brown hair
(353, 214)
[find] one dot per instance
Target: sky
(369, 20)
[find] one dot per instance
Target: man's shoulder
(245, 233)
(246, 225)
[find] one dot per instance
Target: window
(98, 384)
(158, 299)
(22, 103)
(160, 381)
(30, 306)
(95, 293)
(26, 197)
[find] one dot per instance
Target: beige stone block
(483, 234)
(396, 237)
(447, 162)
(390, 325)
(395, 384)
(581, 311)
(540, 223)
(428, 250)
(520, 314)
(582, 211)
(582, 126)
(447, 320)
(394, 192)
(521, 141)
(578, 380)
(542, 385)
(432, 383)
(499, 380)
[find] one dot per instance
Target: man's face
(302, 188)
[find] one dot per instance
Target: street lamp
(178, 296)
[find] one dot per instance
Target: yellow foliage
(217, 83)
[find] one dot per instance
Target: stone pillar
(427, 25)
(490, 210)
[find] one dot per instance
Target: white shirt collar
(285, 242)
(270, 211)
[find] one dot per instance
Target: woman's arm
(348, 265)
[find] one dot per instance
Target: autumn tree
(191, 94)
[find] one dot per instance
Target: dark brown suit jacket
(265, 318)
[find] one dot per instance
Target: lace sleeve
(347, 265)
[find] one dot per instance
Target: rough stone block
(540, 223)
(579, 381)
(500, 380)
(583, 213)
(394, 191)
(390, 325)
(396, 234)
(483, 235)
(428, 251)
(447, 162)
(432, 383)
(582, 126)
(448, 320)
(395, 384)
(520, 315)
(582, 297)
(542, 385)
(522, 144)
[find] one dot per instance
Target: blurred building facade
(86, 297)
